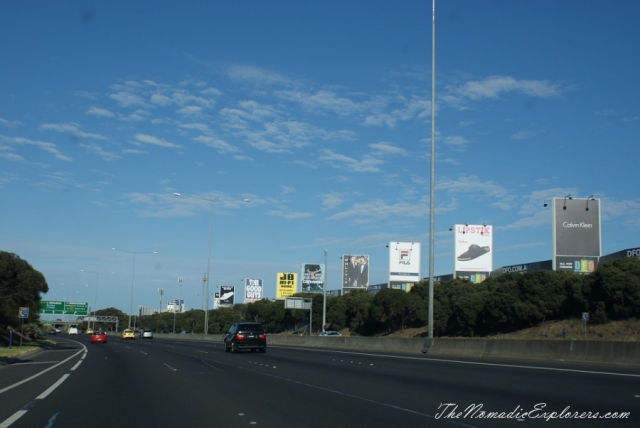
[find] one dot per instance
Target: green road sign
(53, 307)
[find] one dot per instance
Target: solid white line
(17, 415)
(441, 360)
(39, 374)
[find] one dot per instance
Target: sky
(318, 113)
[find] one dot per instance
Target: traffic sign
(585, 316)
(55, 307)
(24, 313)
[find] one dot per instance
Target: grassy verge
(17, 350)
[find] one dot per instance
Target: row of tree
(502, 304)
(498, 305)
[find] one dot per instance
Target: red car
(99, 337)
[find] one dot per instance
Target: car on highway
(245, 335)
(128, 334)
(99, 337)
(52, 331)
(145, 333)
(185, 332)
(330, 333)
(88, 331)
(73, 330)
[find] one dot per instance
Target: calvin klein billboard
(576, 234)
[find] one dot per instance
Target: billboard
(286, 284)
(404, 262)
(576, 234)
(473, 255)
(252, 290)
(355, 271)
(312, 279)
(227, 293)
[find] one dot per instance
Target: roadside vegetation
(499, 306)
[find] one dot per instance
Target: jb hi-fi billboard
(576, 234)
(404, 265)
(473, 251)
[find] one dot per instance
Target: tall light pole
(95, 301)
(206, 291)
(324, 291)
(429, 339)
(133, 275)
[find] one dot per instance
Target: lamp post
(95, 301)
(133, 275)
(208, 279)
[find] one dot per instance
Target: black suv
(245, 335)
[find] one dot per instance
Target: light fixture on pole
(564, 207)
(206, 291)
(133, 275)
(590, 198)
(95, 301)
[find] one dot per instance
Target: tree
(20, 286)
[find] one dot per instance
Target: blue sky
(319, 113)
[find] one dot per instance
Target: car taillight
(239, 336)
(262, 336)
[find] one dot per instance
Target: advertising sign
(50, 307)
(252, 290)
(227, 293)
(312, 278)
(355, 271)
(404, 263)
(576, 234)
(286, 284)
(473, 255)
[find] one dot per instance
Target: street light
(206, 292)
(95, 302)
(133, 274)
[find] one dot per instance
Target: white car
(73, 330)
(330, 333)
(146, 334)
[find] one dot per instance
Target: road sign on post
(300, 303)
(24, 313)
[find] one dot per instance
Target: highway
(161, 383)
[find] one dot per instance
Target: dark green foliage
(20, 286)
(615, 290)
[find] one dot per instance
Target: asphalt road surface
(173, 383)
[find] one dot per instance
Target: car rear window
(257, 328)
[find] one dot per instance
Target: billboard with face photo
(355, 271)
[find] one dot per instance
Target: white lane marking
(441, 360)
(41, 373)
(35, 362)
(209, 365)
(17, 415)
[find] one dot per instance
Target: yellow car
(128, 334)
(88, 331)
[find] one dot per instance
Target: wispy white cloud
(367, 163)
(96, 149)
(43, 145)
(71, 128)
(289, 215)
(10, 124)
(256, 75)
(155, 141)
(220, 145)
(96, 111)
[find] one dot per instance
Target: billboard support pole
(429, 339)
(324, 292)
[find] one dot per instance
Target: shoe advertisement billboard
(252, 290)
(227, 293)
(576, 234)
(286, 284)
(473, 254)
(312, 278)
(355, 272)
(404, 263)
